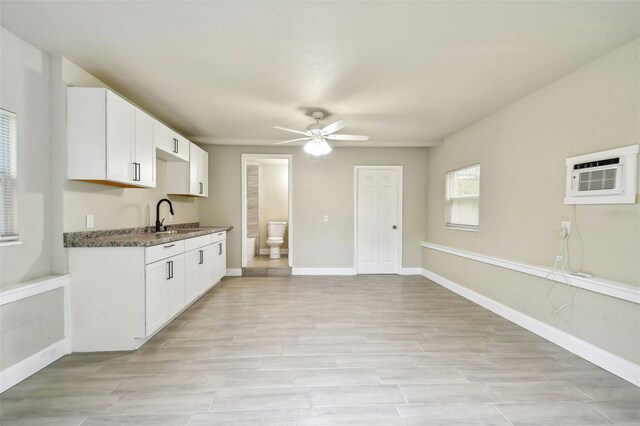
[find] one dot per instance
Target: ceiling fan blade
(291, 130)
(333, 127)
(292, 140)
(348, 137)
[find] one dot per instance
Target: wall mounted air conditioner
(606, 177)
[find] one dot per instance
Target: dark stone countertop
(137, 237)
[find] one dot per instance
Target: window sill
(10, 243)
(461, 228)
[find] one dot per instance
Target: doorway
(267, 216)
(378, 219)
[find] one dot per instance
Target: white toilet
(275, 238)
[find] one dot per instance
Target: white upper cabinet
(190, 178)
(145, 154)
(170, 145)
(108, 139)
(120, 139)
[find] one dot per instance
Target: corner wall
(24, 89)
(522, 150)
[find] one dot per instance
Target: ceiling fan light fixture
(317, 147)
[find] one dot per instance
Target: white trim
(462, 228)
(68, 333)
(264, 252)
(244, 160)
(323, 271)
(615, 152)
(233, 272)
(610, 362)
(597, 285)
(10, 243)
(13, 375)
(32, 288)
(410, 271)
(355, 210)
(36, 362)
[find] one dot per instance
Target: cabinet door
(206, 268)
(195, 187)
(164, 137)
(175, 286)
(156, 296)
(203, 172)
(198, 171)
(182, 147)
(145, 153)
(220, 264)
(192, 287)
(120, 133)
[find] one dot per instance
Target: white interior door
(378, 226)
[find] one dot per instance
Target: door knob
(394, 227)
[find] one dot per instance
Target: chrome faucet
(158, 222)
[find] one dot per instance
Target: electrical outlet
(89, 221)
(565, 228)
(326, 218)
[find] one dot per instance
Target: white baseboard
(322, 271)
(233, 272)
(410, 271)
(13, 375)
(264, 252)
(610, 362)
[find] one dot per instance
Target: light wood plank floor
(367, 350)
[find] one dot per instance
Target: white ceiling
(405, 73)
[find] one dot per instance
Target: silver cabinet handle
(170, 245)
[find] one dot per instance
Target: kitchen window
(8, 177)
(463, 198)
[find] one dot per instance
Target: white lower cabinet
(198, 272)
(191, 275)
(219, 259)
(164, 291)
(121, 296)
(156, 295)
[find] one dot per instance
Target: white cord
(563, 253)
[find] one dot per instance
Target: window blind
(463, 197)
(8, 176)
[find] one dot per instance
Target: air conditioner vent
(606, 177)
(598, 180)
(590, 164)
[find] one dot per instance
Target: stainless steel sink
(176, 231)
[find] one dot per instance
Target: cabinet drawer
(219, 236)
(197, 242)
(162, 251)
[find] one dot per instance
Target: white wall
(24, 89)
(320, 186)
(29, 325)
(521, 150)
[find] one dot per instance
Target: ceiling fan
(317, 134)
